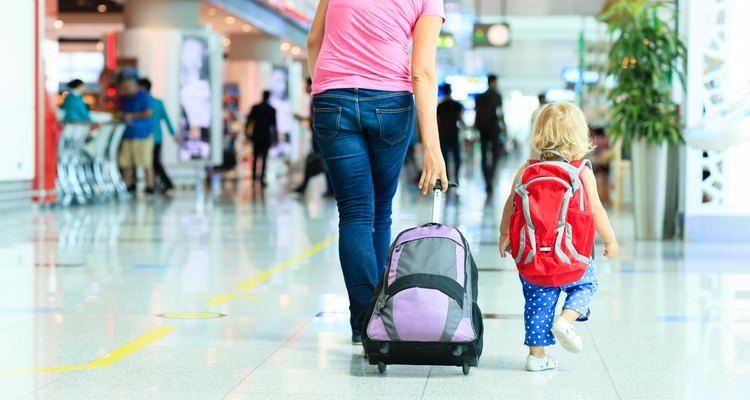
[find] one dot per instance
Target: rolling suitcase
(424, 310)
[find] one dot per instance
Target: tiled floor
(81, 290)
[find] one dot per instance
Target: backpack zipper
(547, 178)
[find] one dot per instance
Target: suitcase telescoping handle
(437, 205)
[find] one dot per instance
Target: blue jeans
(363, 136)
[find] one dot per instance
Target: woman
(73, 105)
(363, 111)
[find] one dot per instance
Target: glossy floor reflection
(82, 290)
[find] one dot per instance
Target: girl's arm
(603, 227)
(507, 211)
(424, 83)
(315, 37)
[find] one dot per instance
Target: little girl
(560, 133)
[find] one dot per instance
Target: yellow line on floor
(131, 348)
(158, 333)
(219, 299)
(109, 359)
(269, 273)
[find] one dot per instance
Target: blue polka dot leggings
(541, 301)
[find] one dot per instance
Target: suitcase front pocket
(419, 308)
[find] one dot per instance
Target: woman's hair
(75, 84)
(561, 127)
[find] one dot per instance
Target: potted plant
(645, 54)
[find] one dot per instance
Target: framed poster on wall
(195, 97)
(279, 88)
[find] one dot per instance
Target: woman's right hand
(433, 168)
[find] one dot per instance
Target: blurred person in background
(74, 107)
(229, 159)
(600, 160)
(314, 163)
(365, 91)
(261, 127)
(542, 102)
(137, 148)
(488, 124)
(159, 115)
(449, 116)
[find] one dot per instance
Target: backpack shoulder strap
(523, 171)
(585, 163)
(556, 154)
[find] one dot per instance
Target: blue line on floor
(637, 271)
(152, 266)
(330, 313)
(685, 318)
(28, 310)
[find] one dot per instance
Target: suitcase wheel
(466, 368)
(381, 367)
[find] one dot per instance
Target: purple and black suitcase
(424, 310)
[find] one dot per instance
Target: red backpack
(552, 225)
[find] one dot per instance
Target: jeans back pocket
(395, 124)
(326, 122)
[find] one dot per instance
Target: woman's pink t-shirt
(366, 42)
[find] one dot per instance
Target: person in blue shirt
(159, 114)
(73, 105)
(137, 149)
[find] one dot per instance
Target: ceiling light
(285, 46)
(59, 24)
(102, 8)
(247, 28)
(99, 46)
(296, 50)
(230, 20)
(212, 11)
(498, 35)
(226, 42)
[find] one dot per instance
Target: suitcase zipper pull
(380, 305)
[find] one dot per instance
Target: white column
(18, 80)
(717, 184)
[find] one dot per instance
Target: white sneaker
(567, 337)
(534, 364)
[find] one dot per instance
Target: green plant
(645, 54)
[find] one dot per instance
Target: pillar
(716, 182)
(18, 78)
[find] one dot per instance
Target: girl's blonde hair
(561, 127)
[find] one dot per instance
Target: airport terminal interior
(206, 279)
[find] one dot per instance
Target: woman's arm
(315, 37)
(424, 83)
(165, 117)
